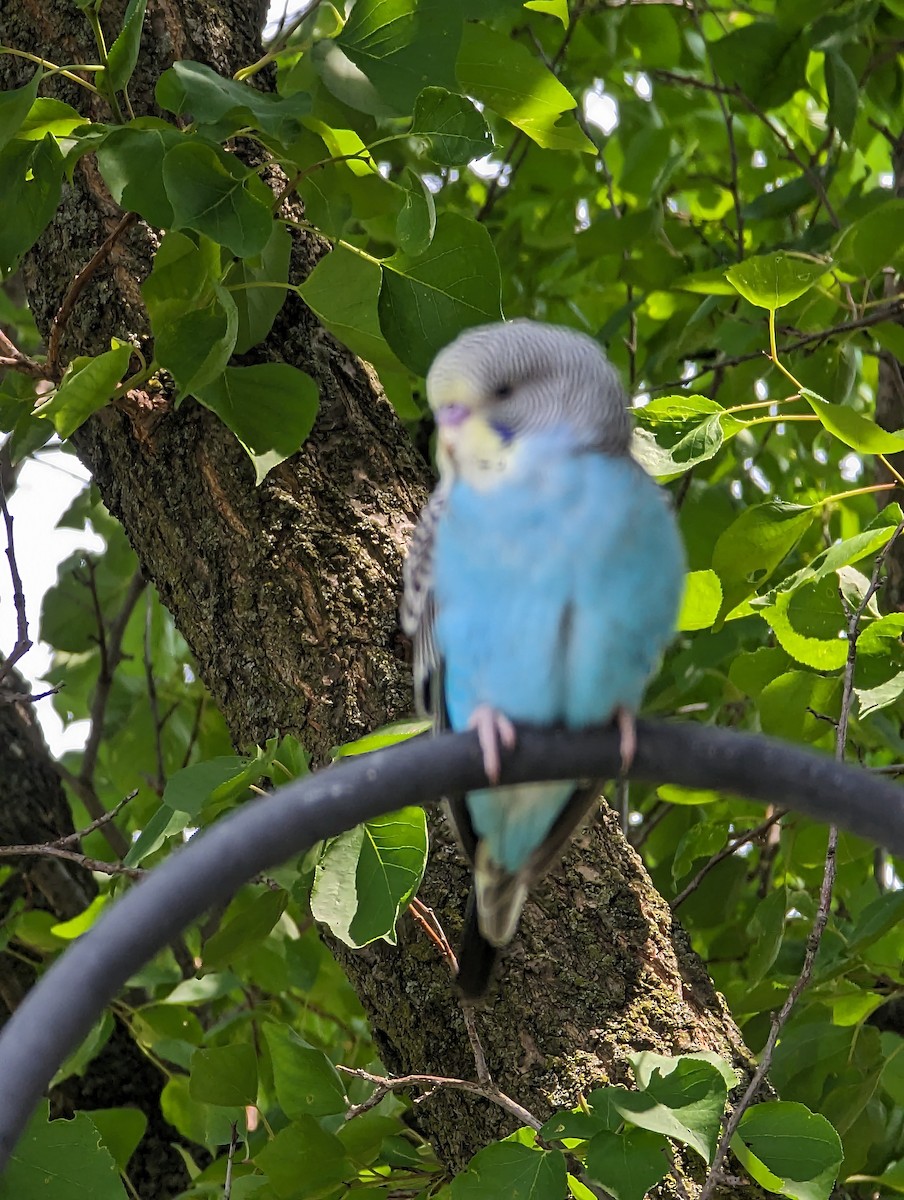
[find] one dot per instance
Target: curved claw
(493, 728)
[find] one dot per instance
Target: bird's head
(496, 383)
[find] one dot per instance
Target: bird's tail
(476, 956)
(491, 919)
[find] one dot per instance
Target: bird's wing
(418, 611)
(418, 614)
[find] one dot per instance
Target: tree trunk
(287, 595)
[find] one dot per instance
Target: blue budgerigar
(542, 586)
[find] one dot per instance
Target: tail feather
(476, 956)
(500, 896)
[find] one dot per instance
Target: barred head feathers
(523, 375)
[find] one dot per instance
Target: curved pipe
(62, 1007)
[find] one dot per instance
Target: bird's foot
(627, 738)
(493, 728)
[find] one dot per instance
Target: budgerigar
(541, 586)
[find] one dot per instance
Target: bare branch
(384, 1084)
(76, 288)
(23, 641)
(751, 835)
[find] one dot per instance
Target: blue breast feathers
(556, 590)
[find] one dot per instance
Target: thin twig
(429, 922)
(233, 1143)
(195, 729)
(728, 118)
(13, 359)
(23, 641)
(825, 892)
(64, 312)
(777, 132)
(889, 313)
(520, 142)
(110, 645)
(384, 1084)
(110, 815)
(751, 835)
(160, 781)
(48, 850)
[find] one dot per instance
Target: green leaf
(426, 300)
(646, 1065)
(787, 706)
(751, 548)
(416, 222)
(579, 1124)
(701, 602)
(120, 1129)
(766, 929)
(94, 1042)
(865, 544)
(808, 622)
(224, 1075)
(212, 100)
(194, 319)
(455, 131)
(701, 841)
(89, 384)
(673, 794)
(217, 779)
(15, 106)
(789, 1150)
(61, 1160)
(387, 735)
(654, 35)
(849, 427)
(874, 241)
(766, 62)
(213, 193)
(402, 46)
(271, 409)
(366, 876)
(343, 291)
(31, 175)
(123, 54)
(683, 1099)
(506, 77)
(305, 1080)
(245, 931)
(555, 8)
(131, 161)
(251, 283)
(890, 337)
(47, 115)
(873, 699)
(678, 432)
(514, 1171)
(844, 95)
(304, 1160)
(628, 1164)
(774, 280)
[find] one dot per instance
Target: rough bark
(287, 596)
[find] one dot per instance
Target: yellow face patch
(476, 452)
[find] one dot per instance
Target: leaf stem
(53, 69)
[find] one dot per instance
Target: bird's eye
(503, 391)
